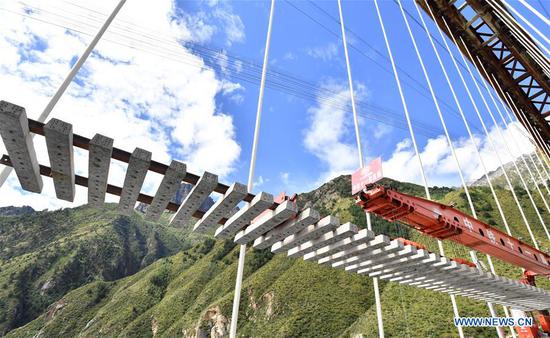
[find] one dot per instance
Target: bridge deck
(281, 226)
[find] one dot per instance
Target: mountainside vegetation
(94, 273)
(46, 254)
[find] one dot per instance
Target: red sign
(367, 175)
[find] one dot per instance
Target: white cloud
(289, 56)
(439, 164)
(381, 130)
(132, 95)
(260, 181)
(284, 177)
(234, 27)
(325, 53)
(215, 17)
(328, 134)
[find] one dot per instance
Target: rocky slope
(46, 254)
(180, 195)
(16, 211)
(498, 179)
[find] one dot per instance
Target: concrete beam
(194, 199)
(135, 175)
(426, 267)
(99, 161)
(266, 222)
(362, 251)
(402, 265)
(371, 259)
(223, 207)
(418, 271)
(408, 273)
(340, 256)
(363, 236)
(171, 182)
(343, 231)
(59, 141)
(244, 217)
(398, 258)
(439, 274)
(14, 128)
(292, 226)
(325, 225)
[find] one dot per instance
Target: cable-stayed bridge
(511, 62)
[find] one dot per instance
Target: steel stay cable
(525, 123)
(411, 131)
(421, 92)
(518, 14)
(511, 103)
(465, 187)
(534, 11)
(507, 178)
(472, 139)
(450, 33)
(242, 249)
(476, 109)
(376, 50)
(377, 299)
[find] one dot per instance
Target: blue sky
(303, 46)
(181, 79)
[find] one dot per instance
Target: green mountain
(93, 273)
(46, 254)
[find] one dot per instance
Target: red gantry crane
(447, 223)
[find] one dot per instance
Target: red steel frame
(446, 223)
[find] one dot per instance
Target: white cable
(351, 93)
(517, 169)
(522, 36)
(524, 122)
(506, 312)
(498, 128)
(546, 146)
(511, 103)
(508, 181)
(527, 134)
(500, 331)
(518, 14)
(456, 312)
(69, 78)
(534, 11)
(529, 129)
(532, 133)
(377, 299)
(486, 173)
(438, 108)
(403, 102)
(242, 252)
(476, 109)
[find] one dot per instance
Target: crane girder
(447, 223)
(507, 52)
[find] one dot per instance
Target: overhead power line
(411, 81)
(235, 68)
